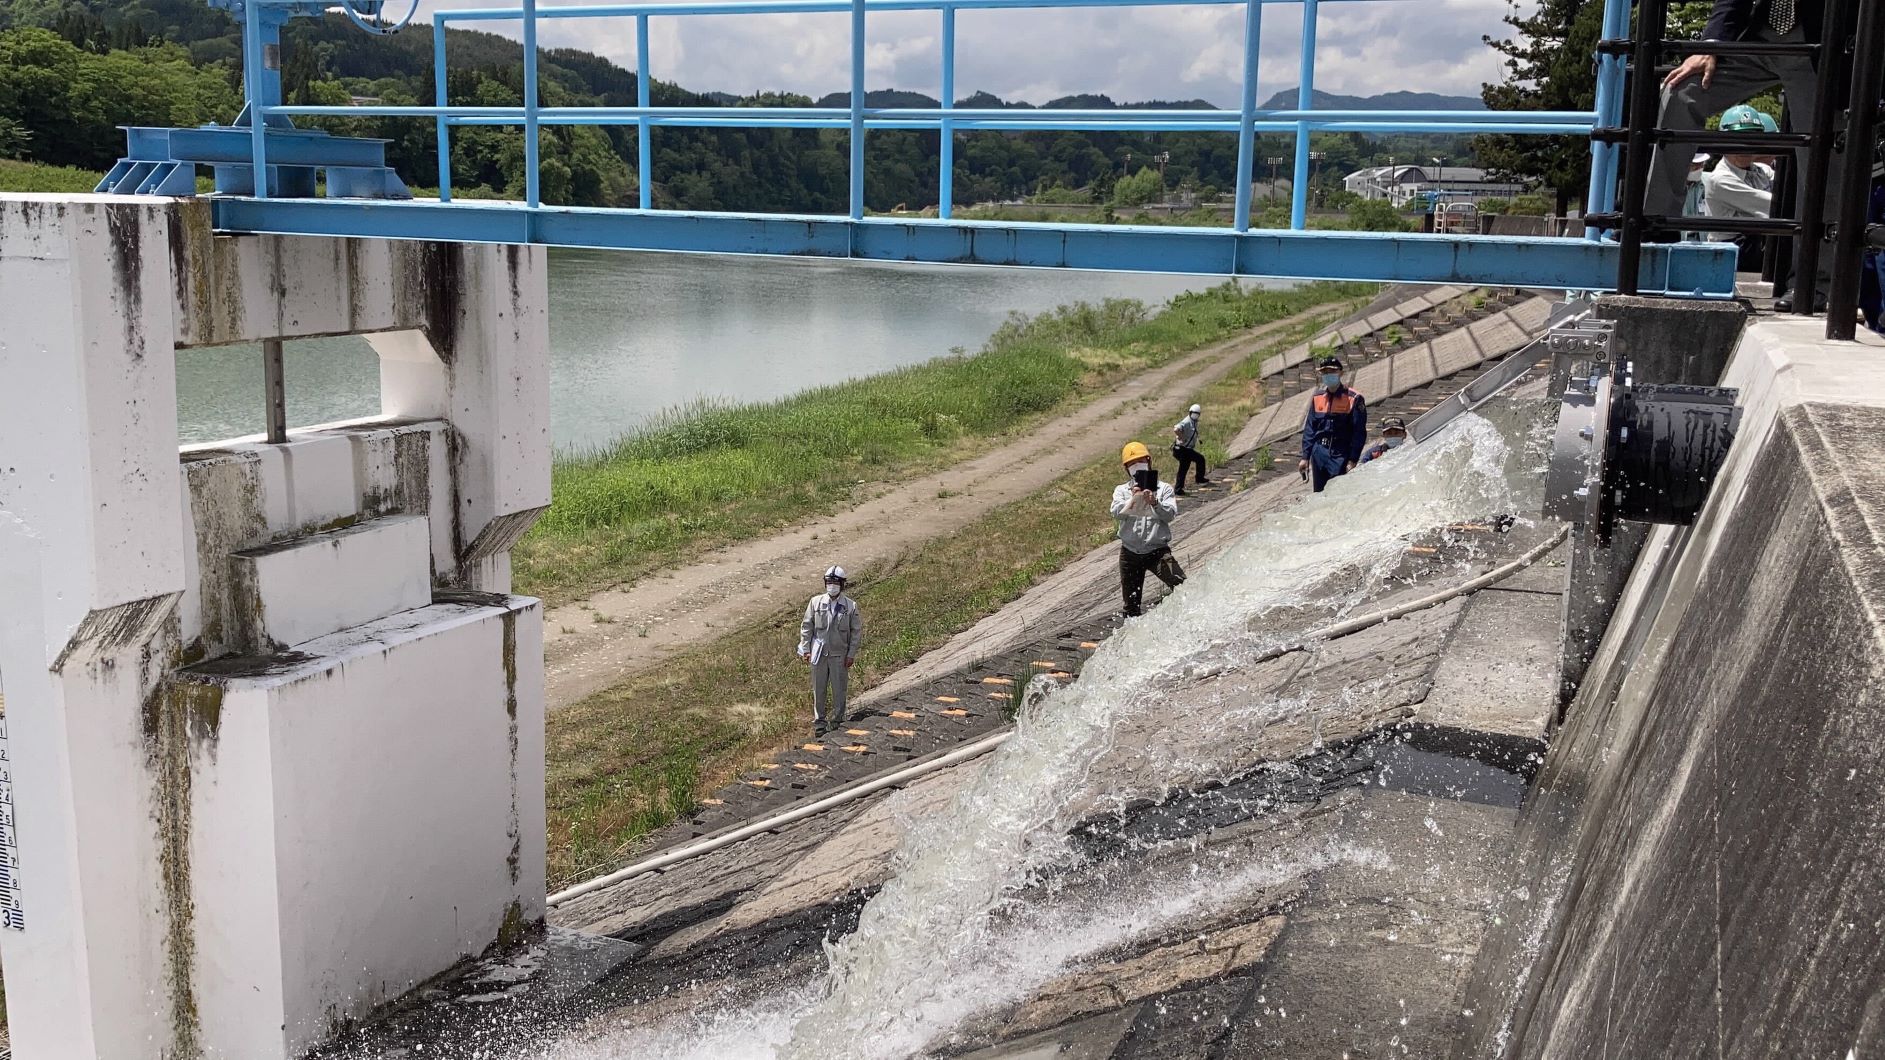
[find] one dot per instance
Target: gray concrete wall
(1700, 871)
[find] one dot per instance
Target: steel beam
(1690, 269)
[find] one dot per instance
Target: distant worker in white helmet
(1185, 449)
(829, 637)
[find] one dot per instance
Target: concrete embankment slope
(1703, 869)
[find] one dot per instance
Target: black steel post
(1868, 82)
(1812, 187)
(276, 391)
(1645, 99)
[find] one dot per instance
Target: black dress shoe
(1785, 305)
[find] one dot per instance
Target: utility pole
(1274, 162)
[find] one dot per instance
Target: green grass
(37, 177)
(709, 475)
(634, 758)
(34, 177)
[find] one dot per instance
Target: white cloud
(1364, 47)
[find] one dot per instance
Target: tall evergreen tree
(1550, 65)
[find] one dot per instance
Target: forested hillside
(71, 71)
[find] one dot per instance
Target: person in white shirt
(1144, 507)
(1693, 205)
(1741, 185)
(829, 637)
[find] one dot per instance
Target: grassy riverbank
(713, 475)
(32, 177)
(627, 761)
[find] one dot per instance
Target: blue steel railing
(1246, 122)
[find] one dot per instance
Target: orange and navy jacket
(1339, 422)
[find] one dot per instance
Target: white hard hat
(835, 574)
(1197, 408)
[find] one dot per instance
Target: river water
(632, 335)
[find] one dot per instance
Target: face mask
(1392, 443)
(1331, 379)
(1136, 468)
(1194, 416)
(833, 590)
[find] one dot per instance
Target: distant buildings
(1402, 184)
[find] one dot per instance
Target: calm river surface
(632, 335)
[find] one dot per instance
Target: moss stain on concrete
(181, 718)
(513, 930)
(514, 860)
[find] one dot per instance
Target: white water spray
(957, 872)
(950, 934)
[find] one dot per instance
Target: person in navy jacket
(1336, 429)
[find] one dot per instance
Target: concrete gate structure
(273, 725)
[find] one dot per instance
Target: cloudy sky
(1363, 47)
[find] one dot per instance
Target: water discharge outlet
(1641, 453)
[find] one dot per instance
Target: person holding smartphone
(1144, 508)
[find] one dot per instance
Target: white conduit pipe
(989, 743)
(796, 813)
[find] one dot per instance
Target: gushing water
(960, 927)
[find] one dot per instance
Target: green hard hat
(1743, 118)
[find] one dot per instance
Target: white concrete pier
(274, 724)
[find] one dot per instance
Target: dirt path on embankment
(598, 642)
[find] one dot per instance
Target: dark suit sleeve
(1729, 20)
(1359, 439)
(1308, 442)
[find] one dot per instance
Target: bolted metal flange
(1641, 453)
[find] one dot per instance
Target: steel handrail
(947, 119)
(1808, 228)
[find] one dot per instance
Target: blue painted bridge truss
(365, 199)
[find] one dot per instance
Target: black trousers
(1186, 457)
(1132, 570)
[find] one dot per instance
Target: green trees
(68, 102)
(1549, 62)
(1140, 188)
(1376, 215)
(1549, 66)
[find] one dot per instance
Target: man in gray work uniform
(829, 637)
(1185, 449)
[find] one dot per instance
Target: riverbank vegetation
(710, 475)
(632, 759)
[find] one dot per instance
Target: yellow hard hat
(1134, 452)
